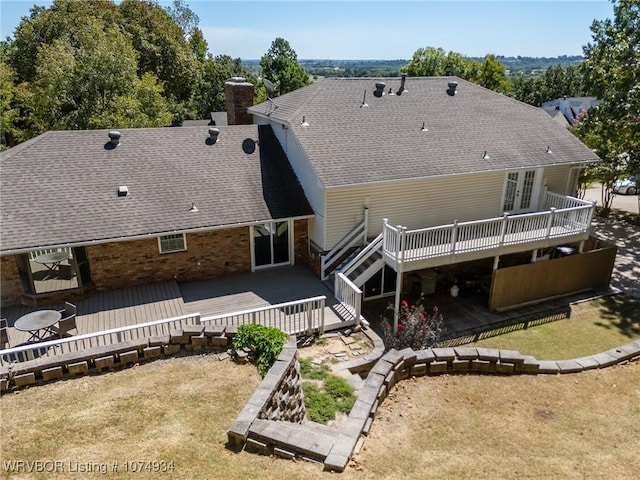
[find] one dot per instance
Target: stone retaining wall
(279, 397)
(334, 447)
(108, 357)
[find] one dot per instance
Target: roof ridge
(10, 152)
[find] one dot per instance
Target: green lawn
(593, 327)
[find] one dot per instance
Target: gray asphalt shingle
(347, 144)
(61, 187)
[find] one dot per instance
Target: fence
(86, 341)
(299, 316)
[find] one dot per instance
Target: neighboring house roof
(570, 107)
(349, 144)
(61, 187)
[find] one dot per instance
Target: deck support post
(581, 246)
(534, 255)
(400, 249)
(496, 261)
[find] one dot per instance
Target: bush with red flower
(417, 329)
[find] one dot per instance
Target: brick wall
(238, 96)
(11, 286)
(208, 255)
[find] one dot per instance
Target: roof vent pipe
(403, 79)
(213, 134)
(114, 137)
(379, 89)
(452, 90)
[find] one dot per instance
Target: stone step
(304, 439)
(354, 380)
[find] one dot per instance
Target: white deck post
(399, 248)
(365, 234)
(550, 222)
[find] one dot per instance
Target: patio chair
(68, 320)
(4, 333)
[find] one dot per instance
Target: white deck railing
(356, 237)
(86, 341)
(296, 317)
(565, 217)
(299, 316)
(349, 296)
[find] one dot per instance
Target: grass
(479, 427)
(593, 327)
(326, 395)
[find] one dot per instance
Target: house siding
(414, 204)
(556, 178)
(313, 188)
(11, 284)
(208, 255)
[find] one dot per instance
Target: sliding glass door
(271, 244)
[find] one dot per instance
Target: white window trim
(184, 243)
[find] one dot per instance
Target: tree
(493, 75)
(161, 47)
(430, 61)
(612, 74)
(280, 65)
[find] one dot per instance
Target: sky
(383, 30)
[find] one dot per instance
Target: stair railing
(356, 237)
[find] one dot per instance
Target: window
(172, 243)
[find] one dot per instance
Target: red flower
(404, 303)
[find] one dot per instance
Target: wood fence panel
(513, 286)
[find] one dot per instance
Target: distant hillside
(391, 68)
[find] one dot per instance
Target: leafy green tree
(280, 65)
(493, 75)
(209, 93)
(161, 47)
(426, 62)
(145, 108)
(612, 74)
(77, 80)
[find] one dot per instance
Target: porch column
(400, 251)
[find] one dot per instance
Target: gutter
(145, 236)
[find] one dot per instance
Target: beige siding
(414, 203)
(313, 188)
(556, 177)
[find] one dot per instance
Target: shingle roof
(61, 187)
(347, 144)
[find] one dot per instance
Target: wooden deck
(259, 289)
(128, 306)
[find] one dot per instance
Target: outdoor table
(51, 261)
(38, 323)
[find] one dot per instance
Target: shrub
(321, 407)
(266, 342)
(416, 328)
(327, 397)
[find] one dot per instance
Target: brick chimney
(239, 96)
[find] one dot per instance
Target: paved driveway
(626, 271)
(628, 203)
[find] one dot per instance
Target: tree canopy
(432, 61)
(612, 73)
(95, 64)
(280, 65)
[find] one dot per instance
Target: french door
(271, 244)
(520, 191)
